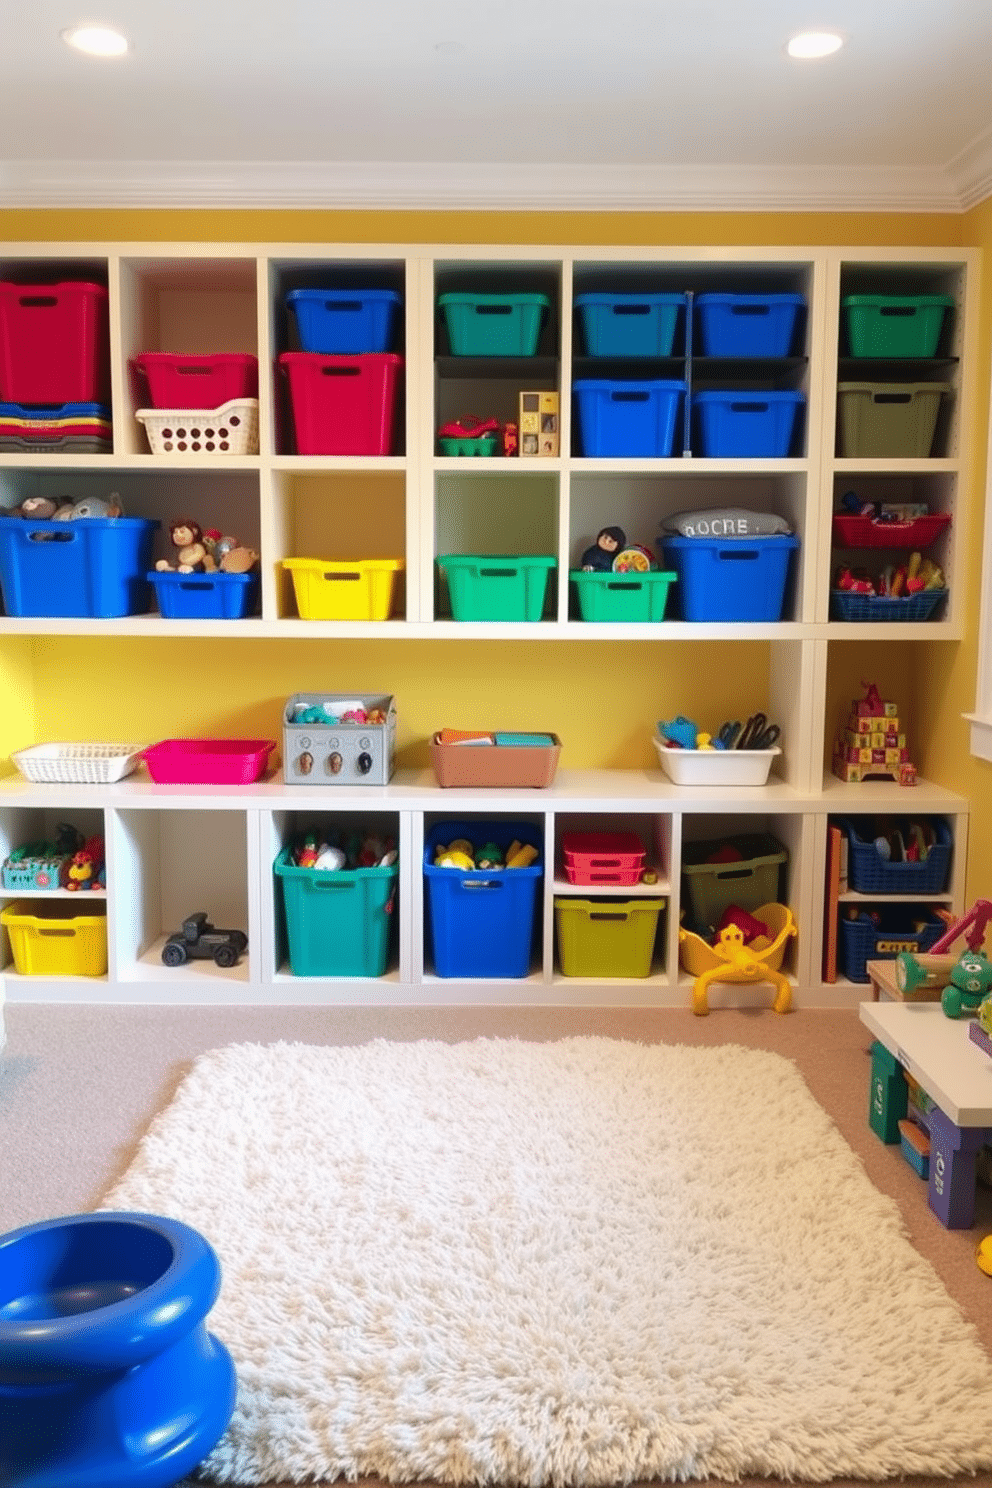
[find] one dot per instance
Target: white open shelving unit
(415, 504)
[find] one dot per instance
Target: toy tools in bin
(339, 738)
(474, 758)
(737, 754)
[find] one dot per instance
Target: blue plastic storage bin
(344, 322)
(628, 420)
(481, 921)
(881, 937)
(745, 424)
(205, 596)
(92, 568)
(740, 578)
(748, 325)
(631, 325)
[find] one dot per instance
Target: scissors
(727, 735)
(757, 733)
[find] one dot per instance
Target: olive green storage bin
(606, 937)
(888, 420)
(748, 881)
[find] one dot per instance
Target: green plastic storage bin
(496, 586)
(494, 324)
(621, 597)
(338, 923)
(748, 881)
(894, 325)
(888, 420)
(606, 937)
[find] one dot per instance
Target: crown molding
(507, 187)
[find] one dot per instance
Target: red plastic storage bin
(54, 343)
(343, 405)
(197, 381)
(603, 857)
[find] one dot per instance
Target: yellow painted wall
(603, 698)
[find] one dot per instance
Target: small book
(463, 736)
(525, 741)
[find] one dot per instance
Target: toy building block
(539, 423)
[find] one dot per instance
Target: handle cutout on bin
(738, 556)
(196, 585)
(481, 883)
(38, 302)
(630, 309)
(749, 407)
(892, 397)
(185, 370)
(897, 310)
(735, 873)
(750, 309)
(627, 585)
(493, 309)
(341, 371)
(353, 305)
(64, 934)
(633, 397)
(598, 914)
(498, 573)
(334, 578)
(51, 534)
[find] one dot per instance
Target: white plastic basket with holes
(231, 429)
(79, 764)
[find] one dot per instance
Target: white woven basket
(80, 764)
(231, 429)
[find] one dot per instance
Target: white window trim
(981, 718)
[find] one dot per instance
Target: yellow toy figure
(738, 964)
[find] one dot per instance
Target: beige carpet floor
(78, 1086)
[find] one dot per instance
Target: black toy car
(199, 940)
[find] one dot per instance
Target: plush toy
(90, 506)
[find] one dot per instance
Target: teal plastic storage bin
(497, 586)
(93, 568)
(494, 324)
(621, 597)
(481, 921)
(626, 419)
(338, 923)
(740, 578)
(629, 325)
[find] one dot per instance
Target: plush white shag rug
(574, 1263)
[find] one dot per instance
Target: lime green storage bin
(606, 937)
(895, 325)
(338, 923)
(494, 324)
(496, 586)
(621, 597)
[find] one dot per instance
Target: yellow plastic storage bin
(344, 591)
(58, 940)
(606, 937)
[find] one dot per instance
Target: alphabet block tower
(871, 744)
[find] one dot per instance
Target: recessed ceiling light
(815, 44)
(96, 41)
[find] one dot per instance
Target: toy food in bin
(481, 880)
(475, 758)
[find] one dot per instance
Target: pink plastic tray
(208, 761)
(603, 857)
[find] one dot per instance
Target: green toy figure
(970, 984)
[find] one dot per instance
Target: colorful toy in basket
(342, 851)
(205, 551)
(470, 435)
(871, 746)
(746, 949)
(69, 862)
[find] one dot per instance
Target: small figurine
(970, 984)
(489, 856)
(599, 558)
(187, 539)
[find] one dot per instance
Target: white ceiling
(651, 104)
